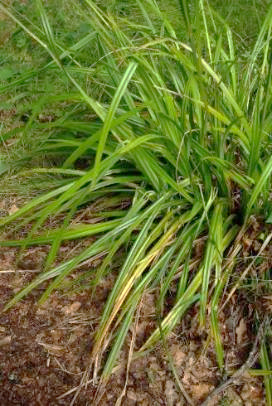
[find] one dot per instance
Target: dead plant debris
(44, 351)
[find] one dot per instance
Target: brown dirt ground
(44, 351)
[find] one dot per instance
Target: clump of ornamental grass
(181, 128)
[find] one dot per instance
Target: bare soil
(44, 351)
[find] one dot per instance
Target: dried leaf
(13, 209)
(5, 341)
(170, 393)
(201, 391)
(132, 395)
(241, 330)
(73, 308)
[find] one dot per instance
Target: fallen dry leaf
(5, 341)
(187, 378)
(201, 390)
(132, 395)
(241, 330)
(233, 397)
(170, 393)
(73, 308)
(178, 355)
(13, 209)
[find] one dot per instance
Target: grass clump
(177, 124)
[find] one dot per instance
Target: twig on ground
(252, 358)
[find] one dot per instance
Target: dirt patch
(44, 351)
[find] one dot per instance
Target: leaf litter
(44, 351)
